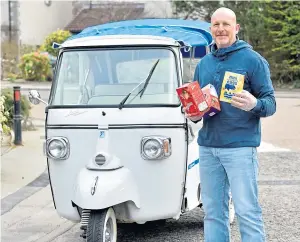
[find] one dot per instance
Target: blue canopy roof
(188, 32)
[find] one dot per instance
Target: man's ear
(237, 29)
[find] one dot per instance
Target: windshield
(105, 77)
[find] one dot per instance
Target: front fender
(96, 189)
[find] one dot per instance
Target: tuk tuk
(119, 148)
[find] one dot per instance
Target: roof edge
(113, 40)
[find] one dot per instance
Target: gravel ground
(279, 187)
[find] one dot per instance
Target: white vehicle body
(140, 190)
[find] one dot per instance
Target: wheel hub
(109, 231)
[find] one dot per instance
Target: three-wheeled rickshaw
(119, 148)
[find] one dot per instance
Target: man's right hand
(188, 116)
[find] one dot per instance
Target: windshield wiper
(148, 78)
(121, 105)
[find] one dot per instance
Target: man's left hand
(244, 100)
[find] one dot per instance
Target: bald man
(228, 141)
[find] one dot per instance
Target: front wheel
(102, 226)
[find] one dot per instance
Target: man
(228, 140)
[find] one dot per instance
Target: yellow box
(232, 83)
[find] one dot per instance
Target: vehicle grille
(100, 160)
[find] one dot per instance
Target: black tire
(98, 222)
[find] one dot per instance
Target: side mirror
(35, 97)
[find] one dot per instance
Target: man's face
(224, 29)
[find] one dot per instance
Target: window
(105, 77)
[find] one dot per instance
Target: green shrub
(4, 116)
(35, 66)
(59, 37)
(12, 76)
(9, 106)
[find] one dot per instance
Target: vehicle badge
(102, 134)
(93, 190)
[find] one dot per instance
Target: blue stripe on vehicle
(193, 164)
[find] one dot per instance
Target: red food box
(212, 100)
(193, 99)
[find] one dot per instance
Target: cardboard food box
(192, 99)
(232, 83)
(212, 100)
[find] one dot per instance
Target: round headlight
(155, 147)
(152, 149)
(57, 148)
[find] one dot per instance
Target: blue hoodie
(233, 127)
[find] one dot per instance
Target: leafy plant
(35, 66)
(4, 115)
(8, 104)
(59, 37)
(12, 76)
(282, 20)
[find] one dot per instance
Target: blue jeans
(237, 168)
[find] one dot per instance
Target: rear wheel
(102, 226)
